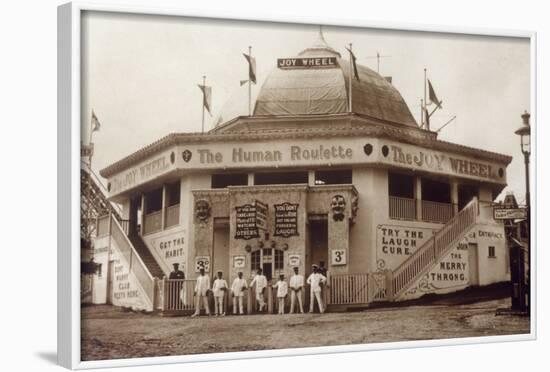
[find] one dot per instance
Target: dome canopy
(311, 91)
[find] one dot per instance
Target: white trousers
(238, 299)
(293, 296)
(218, 305)
(198, 304)
(260, 300)
(281, 305)
(316, 295)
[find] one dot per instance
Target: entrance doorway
(270, 260)
(220, 259)
(473, 263)
(318, 244)
(267, 269)
(134, 215)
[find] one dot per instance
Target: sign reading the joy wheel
(338, 257)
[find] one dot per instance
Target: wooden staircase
(146, 256)
(423, 259)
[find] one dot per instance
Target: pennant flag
(251, 68)
(95, 122)
(426, 118)
(353, 63)
(243, 82)
(206, 97)
(433, 97)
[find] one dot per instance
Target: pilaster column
(250, 179)
(454, 196)
(143, 206)
(418, 196)
(311, 178)
(163, 209)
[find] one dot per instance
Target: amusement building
(327, 168)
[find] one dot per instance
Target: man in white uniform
(315, 281)
(218, 290)
(202, 287)
(282, 291)
(296, 285)
(261, 284)
(238, 287)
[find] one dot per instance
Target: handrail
(402, 208)
(132, 248)
(150, 219)
(416, 264)
(140, 271)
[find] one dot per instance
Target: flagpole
(425, 102)
(350, 73)
(421, 113)
(203, 100)
(90, 140)
(249, 82)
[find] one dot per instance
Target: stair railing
(134, 261)
(433, 249)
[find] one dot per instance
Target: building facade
(391, 211)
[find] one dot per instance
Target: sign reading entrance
(299, 63)
(286, 219)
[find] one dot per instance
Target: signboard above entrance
(300, 63)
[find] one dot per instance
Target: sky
(140, 76)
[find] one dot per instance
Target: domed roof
(311, 91)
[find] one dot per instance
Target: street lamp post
(525, 135)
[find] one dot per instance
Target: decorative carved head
(202, 210)
(338, 207)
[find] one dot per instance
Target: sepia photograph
(251, 185)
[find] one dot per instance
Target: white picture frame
(69, 121)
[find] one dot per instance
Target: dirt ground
(110, 333)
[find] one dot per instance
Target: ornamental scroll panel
(378, 286)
